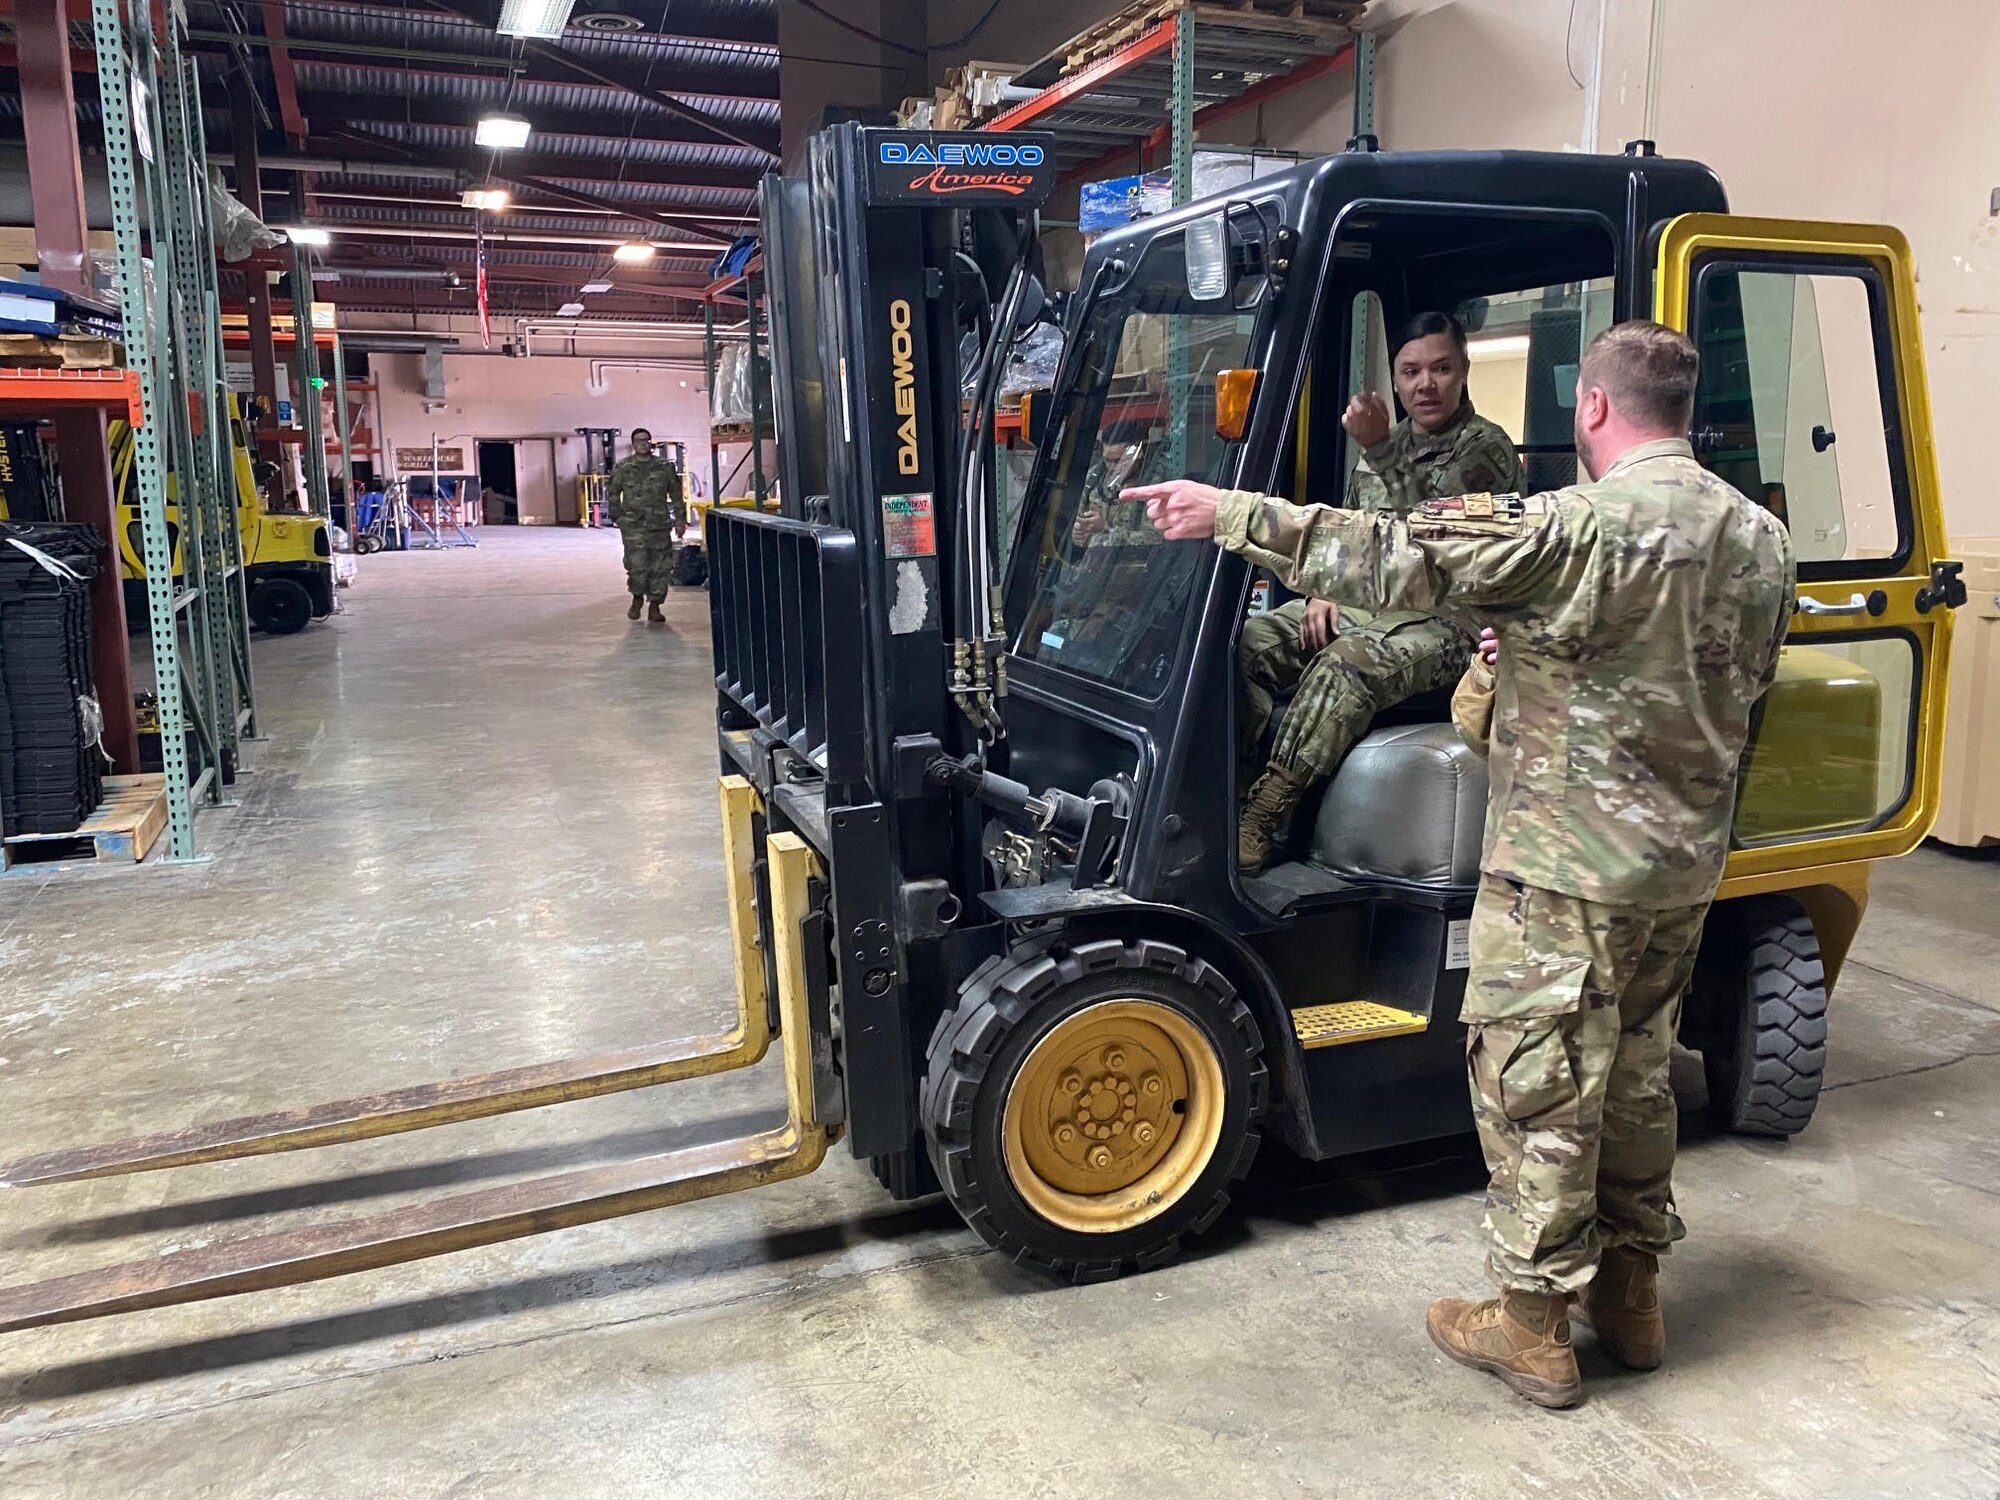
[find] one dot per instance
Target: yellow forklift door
(1813, 401)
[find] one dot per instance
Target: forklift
(979, 790)
(287, 555)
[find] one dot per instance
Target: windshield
(1109, 596)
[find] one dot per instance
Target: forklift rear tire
(1088, 1106)
(280, 606)
(1764, 1071)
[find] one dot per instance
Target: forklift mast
(892, 249)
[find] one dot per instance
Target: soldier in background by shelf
(643, 500)
(1638, 619)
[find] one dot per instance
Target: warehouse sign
(418, 460)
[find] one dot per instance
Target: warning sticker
(909, 526)
(1458, 944)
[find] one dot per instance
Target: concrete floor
(483, 832)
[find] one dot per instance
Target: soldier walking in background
(1343, 664)
(1638, 620)
(643, 500)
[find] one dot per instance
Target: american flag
(485, 317)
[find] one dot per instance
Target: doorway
(498, 484)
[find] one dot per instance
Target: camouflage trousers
(1571, 1007)
(1374, 663)
(649, 561)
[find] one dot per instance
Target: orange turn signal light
(1233, 390)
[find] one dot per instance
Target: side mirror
(1034, 301)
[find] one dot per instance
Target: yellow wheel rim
(1113, 1116)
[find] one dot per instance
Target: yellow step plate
(1352, 1021)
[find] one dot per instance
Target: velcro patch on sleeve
(1481, 515)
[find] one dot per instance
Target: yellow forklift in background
(1065, 1009)
(287, 556)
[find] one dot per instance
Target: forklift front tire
(1764, 1071)
(1088, 1106)
(280, 606)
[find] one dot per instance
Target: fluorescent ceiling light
(502, 132)
(493, 200)
(543, 18)
(1516, 343)
(570, 310)
(302, 235)
(592, 288)
(633, 251)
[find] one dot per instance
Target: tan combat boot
(633, 612)
(653, 615)
(1272, 798)
(1623, 1305)
(1522, 1337)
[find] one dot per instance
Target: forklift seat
(1407, 805)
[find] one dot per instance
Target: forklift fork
(453, 1100)
(562, 1201)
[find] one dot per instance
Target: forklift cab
(1222, 342)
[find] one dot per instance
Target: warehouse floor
(483, 833)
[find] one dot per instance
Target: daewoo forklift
(979, 788)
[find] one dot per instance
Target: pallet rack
(749, 285)
(1195, 64)
(199, 623)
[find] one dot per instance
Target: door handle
(1860, 604)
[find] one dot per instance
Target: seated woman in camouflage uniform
(1344, 666)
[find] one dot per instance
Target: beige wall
(1805, 110)
(495, 397)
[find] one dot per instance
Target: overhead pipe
(359, 167)
(504, 237)
(597, 383)
(641, 332)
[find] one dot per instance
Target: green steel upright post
(1364, 137)
(124, 166)
(305, 398)
(204, 509)
(1181, 118)
(340, 419)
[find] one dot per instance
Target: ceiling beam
(528, 173)
(745, 25)
(638, 87)
(330, 104)
(681, 76)
(283, 77)
(478, 162)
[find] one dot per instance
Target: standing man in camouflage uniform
(1638, 620)
(643, 499)
(1341, 664)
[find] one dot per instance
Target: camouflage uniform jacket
(646, 493)
(1466, 455)
(1640, 619)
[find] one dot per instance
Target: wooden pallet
(124, 828)
(69, 351)
(1135, 21)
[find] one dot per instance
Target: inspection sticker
(1458, 944)
(909, 526)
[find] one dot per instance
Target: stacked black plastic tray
(51, 772)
